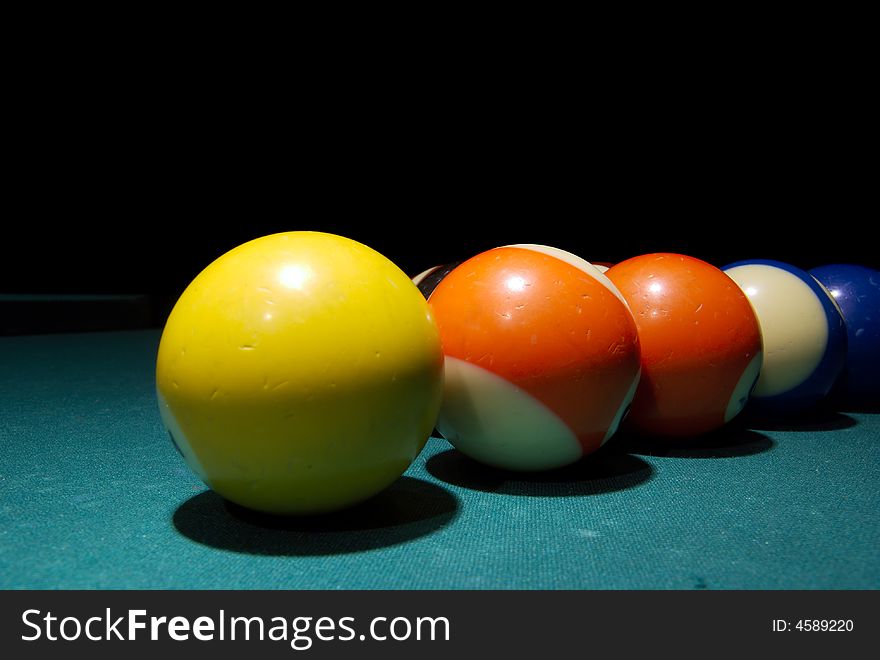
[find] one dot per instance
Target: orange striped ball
(542, 357)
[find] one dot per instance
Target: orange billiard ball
(541, 355)
(700, 339)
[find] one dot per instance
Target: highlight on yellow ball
(300, 373)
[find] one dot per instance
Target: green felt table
(93, 495)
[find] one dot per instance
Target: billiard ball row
(302, 372)
(710, 340)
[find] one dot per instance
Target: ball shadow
(819, 419)
(603, 472)
(408, 509)
(728, 442)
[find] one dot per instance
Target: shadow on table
(602, 472)
(408, 509)
(728, 442)
(821, 419)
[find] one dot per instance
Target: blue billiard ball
(856, 289)
(803, 331)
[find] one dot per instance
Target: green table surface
(93, 495)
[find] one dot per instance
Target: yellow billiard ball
(300, 373)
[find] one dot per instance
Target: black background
(130, 176)
(151, 229)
